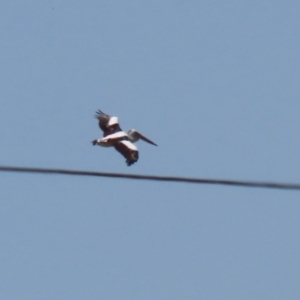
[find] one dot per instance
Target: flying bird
(114, 136)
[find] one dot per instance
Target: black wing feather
(103, 123)
(131, 156)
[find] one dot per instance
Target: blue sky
(215, 84)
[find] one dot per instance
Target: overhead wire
(240, 183)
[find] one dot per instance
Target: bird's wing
(108, 124)
(128, 150)
(144, 138)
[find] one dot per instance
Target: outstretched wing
(108, 124)
(128, 150)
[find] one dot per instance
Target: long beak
(146, 140)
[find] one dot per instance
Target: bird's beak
(146, 140)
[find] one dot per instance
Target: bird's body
(111, 139)
(113, 136)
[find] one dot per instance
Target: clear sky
(215, 84)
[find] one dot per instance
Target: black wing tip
(94, 142)
(133, 159)
(129, 163)
(99, 113)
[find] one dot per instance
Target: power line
(270, 185)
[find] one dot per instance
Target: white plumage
(113, 136)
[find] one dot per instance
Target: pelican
(114, 136)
